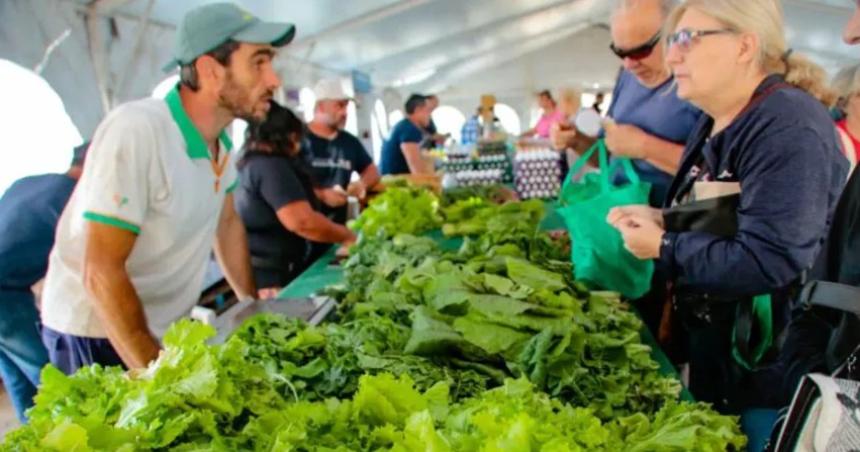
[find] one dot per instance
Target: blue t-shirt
(393, 160)
(29, 212)
(658, 112)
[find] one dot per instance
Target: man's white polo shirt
(148, 171)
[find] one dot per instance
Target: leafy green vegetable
(242, 410)
(491, 193)
(315, 363)
(406, 210)
(474, 216)
(567, 367)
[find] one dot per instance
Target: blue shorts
(69, 353)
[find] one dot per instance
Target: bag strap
(605, 168)
(627, 166)
(831, 295)
(749, 314)
(580, 163)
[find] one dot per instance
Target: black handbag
(717, 216)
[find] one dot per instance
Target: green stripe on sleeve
(112, 221)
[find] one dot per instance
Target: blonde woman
(847, 86)
(569, 102)
(767, 149)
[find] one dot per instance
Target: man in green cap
(156, 197)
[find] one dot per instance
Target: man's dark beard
(237, 101)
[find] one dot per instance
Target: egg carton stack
(457, 160)
(499, 162)
(474, 178)
(538, 174)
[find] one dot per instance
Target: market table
(323, 274)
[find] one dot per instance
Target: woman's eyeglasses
(637, 53)
(684, 38)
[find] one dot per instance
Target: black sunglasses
(637, 53)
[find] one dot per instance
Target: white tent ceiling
(458, 48)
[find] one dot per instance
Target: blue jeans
(22, 354)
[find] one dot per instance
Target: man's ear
(210, 71)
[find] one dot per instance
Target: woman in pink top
(551, 115)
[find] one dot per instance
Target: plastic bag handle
(605, 168)
(580, 163)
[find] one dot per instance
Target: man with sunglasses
(646, 121)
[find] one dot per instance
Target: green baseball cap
(208, 26)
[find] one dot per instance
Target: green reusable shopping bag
(598, 254)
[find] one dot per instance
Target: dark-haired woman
(276, 200)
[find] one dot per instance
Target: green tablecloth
(321, 274)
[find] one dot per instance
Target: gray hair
(666, 6)
(847, 81)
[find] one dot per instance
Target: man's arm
(415, 159)
(114, 298)
(231, 250)
(663, 154)
(626, 140)
(370, 176)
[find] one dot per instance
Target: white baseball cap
(330, 89)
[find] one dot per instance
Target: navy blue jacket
(785, 153)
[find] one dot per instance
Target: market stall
(464, 330)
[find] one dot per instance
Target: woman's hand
(619, 213)
(642, 236)
(269, 293)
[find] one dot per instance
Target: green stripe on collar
(194, 142)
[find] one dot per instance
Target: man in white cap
(156, 197)
(335, 154)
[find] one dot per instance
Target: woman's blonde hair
(570, 97)
(764, 18)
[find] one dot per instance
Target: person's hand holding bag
(642, 235)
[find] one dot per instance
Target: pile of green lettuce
(315, 363)
(503, 316)
(198, 397)
(409, 210)
(476, 216)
